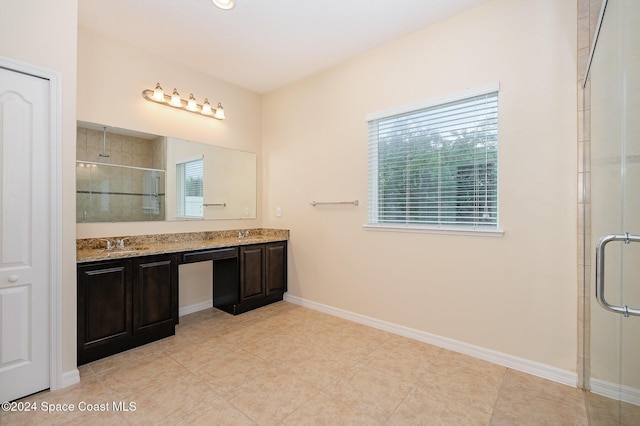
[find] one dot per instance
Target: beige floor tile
(99, 418)
(351, 343)
(470, 381)
(123, 358)
(241, 335)
(217, 412)
(517, 381)
(199, 353)
(427, 407)
(285, 363)
(282, 318)
(323, 409)
(277, 349)
(164, 400)
(75, 417)
(270, 397)
(406, 359)
(604, 411)
(200, 316)
(321, 366)
(306, 332)
(453, 362)
(184, 337)
(527, 400)
(374, 392)
(140, 374)
(230, 371)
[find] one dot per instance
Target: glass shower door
(615, 217)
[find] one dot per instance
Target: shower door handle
(600, 249)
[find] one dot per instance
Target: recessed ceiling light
(223, 4)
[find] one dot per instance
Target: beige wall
(515, 294)
(44, 33)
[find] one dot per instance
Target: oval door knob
(13, 278)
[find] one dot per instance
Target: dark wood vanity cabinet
(155, 294)
(252, 265)
(125, 303)
(104, 308)
(276, 268)
(245, 277)
(263, 274)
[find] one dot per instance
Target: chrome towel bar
(318, 203)
(215, 204)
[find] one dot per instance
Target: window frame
(181, 187)
(490, 231)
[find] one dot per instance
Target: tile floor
(288, 365)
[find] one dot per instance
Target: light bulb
(206, 107)
(158, 94)
(175, 99)
(219, 112)
(192, 105)
(223, 4)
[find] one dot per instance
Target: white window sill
(448, 230)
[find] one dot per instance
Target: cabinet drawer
(200, 256)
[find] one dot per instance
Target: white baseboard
(614, 391)
(531, 367)
(69, 378)
(195, 308)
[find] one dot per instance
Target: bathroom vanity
(128, 297)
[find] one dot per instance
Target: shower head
(104, 144)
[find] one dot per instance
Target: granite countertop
(94, 249)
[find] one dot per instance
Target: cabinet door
(155, 293)
(104, 304)
(252, 283)
(276, 267)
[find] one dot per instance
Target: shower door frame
(586, 226)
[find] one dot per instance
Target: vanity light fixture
(223, 4)
(157, 95)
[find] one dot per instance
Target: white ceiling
(262, 45)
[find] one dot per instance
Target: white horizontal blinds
(436, 165)
(189, 188)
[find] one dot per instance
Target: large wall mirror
(127, 176)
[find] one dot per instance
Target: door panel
(24, 234)
(16, 319)
(615, 210)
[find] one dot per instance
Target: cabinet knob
(13, 278)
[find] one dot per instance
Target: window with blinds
(436, 166)
(189, 188)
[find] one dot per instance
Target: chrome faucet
(243, 234)
(120, 243)
(110, 244)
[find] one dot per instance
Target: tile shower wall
(128, 185)
(588, 14)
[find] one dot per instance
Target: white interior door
(24, 234)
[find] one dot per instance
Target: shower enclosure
(613, 315)
(117, 193)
